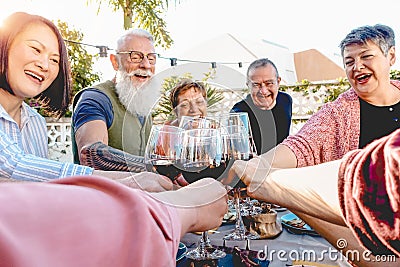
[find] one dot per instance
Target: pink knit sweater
(330, 133)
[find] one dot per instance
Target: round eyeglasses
(137, 56)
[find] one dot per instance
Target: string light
(102, 48)
(173, 60)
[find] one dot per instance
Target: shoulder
(242, 104)
(395, 83)
(91, 96)
(346, 106)
(346, 100)
(238, 106)
(94, 92)
(349, 95)
(33, 114)
(284, 97)
(92, 104)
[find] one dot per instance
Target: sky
(295, 24)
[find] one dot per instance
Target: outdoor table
(280, 251)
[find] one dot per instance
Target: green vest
(126, 132)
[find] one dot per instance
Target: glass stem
(205, 238)
(202, 246)
(239, 225)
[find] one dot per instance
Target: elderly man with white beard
(111, 120)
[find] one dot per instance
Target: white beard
(137, 99)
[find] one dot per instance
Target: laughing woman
(34, 64)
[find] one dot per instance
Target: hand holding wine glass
(254, 175)
(240, 147)
(201, 152)
(163, 151)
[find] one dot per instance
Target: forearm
(200, 205)
(102, 157)
(15, 164)
(311, 190)
(9, 180)
(187, 214)
(280, 157)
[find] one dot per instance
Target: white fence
(59, 132)
(59, 139)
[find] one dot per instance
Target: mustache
(140, 72)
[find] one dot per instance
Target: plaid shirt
(24, 151)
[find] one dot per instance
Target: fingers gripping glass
(137, 57)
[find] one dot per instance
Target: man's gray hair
(134, 32)
(381, 35)
(261, 62)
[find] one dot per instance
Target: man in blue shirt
(112, 120)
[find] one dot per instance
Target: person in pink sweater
(357, 199)
(367, 212)
(369, 110)
(93, 221)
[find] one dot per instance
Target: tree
(146, 14)
(81, 61)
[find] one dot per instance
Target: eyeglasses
(137, 57)
(258, 85)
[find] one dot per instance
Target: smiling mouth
(363, 77)
(37, 77)
(141, 76)
(264, 96)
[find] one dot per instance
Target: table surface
(282, 250)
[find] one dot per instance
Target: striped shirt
(24, 151)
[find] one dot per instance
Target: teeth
(364, 76)
(34, 75)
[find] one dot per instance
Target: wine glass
(163, 149)
(201, 152)
(237, 119)
(236, 128)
